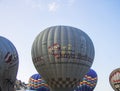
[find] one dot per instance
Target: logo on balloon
(10, 58)
(59, 51)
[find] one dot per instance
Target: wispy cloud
(53, 6)
(71, 2)
(35, 3)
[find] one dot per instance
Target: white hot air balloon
(8, 65)
(114, 79)
(62, 55)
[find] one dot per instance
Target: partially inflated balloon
(89, 81)
(37, 83)
(62, 55)
(8, 64)
(114, 79)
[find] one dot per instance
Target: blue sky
(22, 20)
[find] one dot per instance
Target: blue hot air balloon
(89, 81)
(37, 83)
(8, 64)
(62, 55)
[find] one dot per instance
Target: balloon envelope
(62, 55)
(37, 83)
(8, 64)
(89, 81)
(114, 79)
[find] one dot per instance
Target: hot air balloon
(37, 83)
(89, 81)
(114, 79)
(8, 64)
(62, 55)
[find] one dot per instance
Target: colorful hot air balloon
(114, 79)
(62, 55)
(8, 64)
(37, 83)
(89, 81)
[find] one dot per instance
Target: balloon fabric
(9, 62)
(114, 79)
(37, 83)
(60, 53)
(89, 81)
